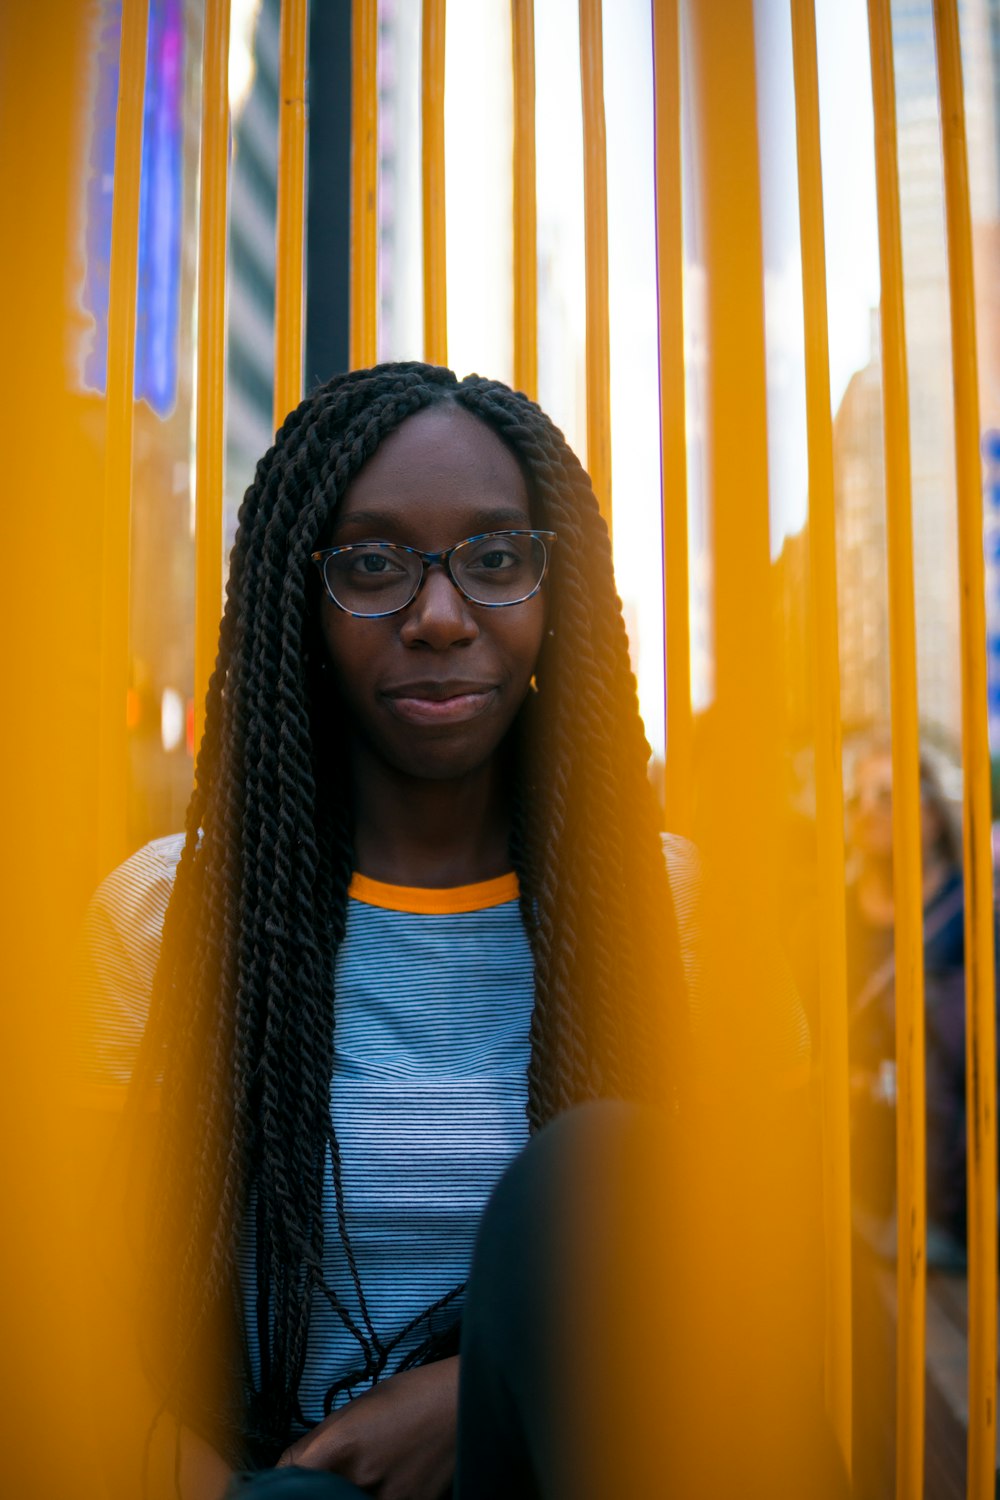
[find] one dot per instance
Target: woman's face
(433, 690)
(871, 820)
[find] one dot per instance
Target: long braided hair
(244, 1009)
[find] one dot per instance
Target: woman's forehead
(440, 451)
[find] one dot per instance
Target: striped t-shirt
(434, 996)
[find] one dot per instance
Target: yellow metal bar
(678, 789)
(832, 923)
(113, 772)
(595, 197)
(756, 1101)
(525, 212)
(981, 1038)
(735, 459)
(907, 880)
(289, 260)
(364, 183)
(211, 349)
(432, 119)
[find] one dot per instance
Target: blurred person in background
(871, 989)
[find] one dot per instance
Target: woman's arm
(396, 1441)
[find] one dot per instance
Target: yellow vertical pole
(724, 119)
(525, 212)
(678, 790)
(364, 184)
(595, 198)
(211, 349)
(979, 962)
(832, 933)
(432, 155)
(116, 560)
(289, 272)
(911, 1152)
(754, 1345)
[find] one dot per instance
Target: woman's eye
(496, 559)
(372, 563)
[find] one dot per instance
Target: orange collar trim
(424, 901)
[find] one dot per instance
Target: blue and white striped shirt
(434, 996)
(434, 992)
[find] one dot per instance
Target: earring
(533, 684)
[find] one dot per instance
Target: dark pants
(587, 1370)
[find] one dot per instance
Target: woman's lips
(454, 709)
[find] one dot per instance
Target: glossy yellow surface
(211, 437)
(289, 288)
(432, 146)
(364, 184)
(525, 212)
(980, 980)
(595, 198)
(832, 926)
(113, 765)
(911, 1152)
(678, 786)
(743, 1291)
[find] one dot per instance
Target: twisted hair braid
(243, 1015)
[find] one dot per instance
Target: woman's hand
(397, 1441)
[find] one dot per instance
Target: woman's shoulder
(683, 867)
(120, 946)
(686, 877)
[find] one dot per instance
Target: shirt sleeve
(684, 872)
(119, 948)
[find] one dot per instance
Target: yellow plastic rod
(113, 768)
(678, 789)
(364, 183)
(525, 210)
(432, 118)
(289, 260)
(980, 999)
(911, 1152)
(211, 349)
(595, 198)
(832, 923)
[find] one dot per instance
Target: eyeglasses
(497, 568)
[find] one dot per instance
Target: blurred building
(790, 575)
(861, 548)
(859, 473)
(253, 197)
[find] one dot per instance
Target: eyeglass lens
(376, 578)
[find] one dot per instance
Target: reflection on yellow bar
(211, 349)
(832, 928)
(595, 195)
(678, 790)
(364, 183)
(432, 119)
(289, 258)
(525, 216)
(738, 824)
(907, 881)
(113, 769)
(980, 980)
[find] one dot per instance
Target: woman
(420, 909)
(871, 916)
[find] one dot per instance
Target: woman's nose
(440, 615)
